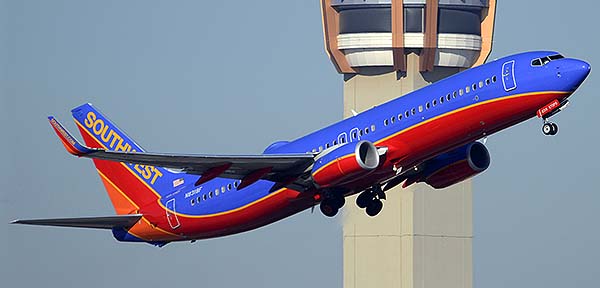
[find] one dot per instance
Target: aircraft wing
(274, 167)
(108, 222)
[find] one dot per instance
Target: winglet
(70, 143)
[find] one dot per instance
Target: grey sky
(232, 77)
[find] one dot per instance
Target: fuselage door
(508, 75)
(171, 216)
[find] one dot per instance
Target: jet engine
(455, 166)
(344, 163)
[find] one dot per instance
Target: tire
(363, 199)
(547, 128)
(554, 129)
(374, 207)
(339, 201)
(328, 208)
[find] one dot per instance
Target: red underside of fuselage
(454, 129)
(410, 147)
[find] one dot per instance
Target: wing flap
(105, 222)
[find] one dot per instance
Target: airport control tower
(385, 49)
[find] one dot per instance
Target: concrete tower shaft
(385, 49)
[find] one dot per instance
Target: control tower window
(365, 20)
(413, 20)
(459, 21)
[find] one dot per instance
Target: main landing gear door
(508, 76)
(171, 216)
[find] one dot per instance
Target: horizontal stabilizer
(107, 222)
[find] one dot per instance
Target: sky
(230, 77)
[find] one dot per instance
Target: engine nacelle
(456, 166)
(344, 163)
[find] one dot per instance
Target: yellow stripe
(465, 108)
(330, 163)
(444, 115)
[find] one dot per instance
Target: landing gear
(371, 200)
(331, 205)
(374, 207)
(328, 208)
(363, 199)
(549, 129)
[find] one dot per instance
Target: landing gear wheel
(547, 128)
(550, 128)
(374, 207)
(328, 208)
(363, 199)
(339, 201)
(554, 128)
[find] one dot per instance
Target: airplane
(430, 135)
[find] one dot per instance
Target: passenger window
(314, 150)
(217, 192)
(448, 97)
(441, 99)
(461, 92)
(399, 116)
(474, 87)
(454, 94)
(204, 197)
(353, 137)
(427, 105)
(494, 79)
(406, 113)
(326, 145)
(393, 119)
(229, 185)
(420, 108)
(198, 200)
(193, 201)
(210, 194)
(467, 89)
(487, 81)
(480, 84)
(372, 128)
(413, 111)
(367, 130)
(222, 189)
(434, 102)
(334, 142)
(385, 122)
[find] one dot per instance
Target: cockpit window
(556, 57)
(545, 60)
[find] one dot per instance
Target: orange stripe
(175, 212)
(148, 228)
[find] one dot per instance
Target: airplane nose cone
(576, 71)
(583, 69)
